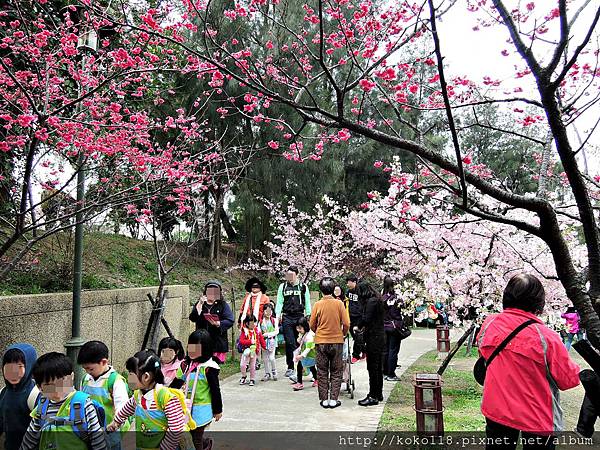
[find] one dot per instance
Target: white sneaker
(332, 403)
(266, 377)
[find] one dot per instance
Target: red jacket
(522, 383)
(248, 338)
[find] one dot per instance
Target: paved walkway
(274, 406)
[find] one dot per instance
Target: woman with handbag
(523, 366)
(395, 330)
(371, 324)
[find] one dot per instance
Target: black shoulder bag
(480, 368)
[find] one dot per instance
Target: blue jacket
(14, 411)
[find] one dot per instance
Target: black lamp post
(87, 42)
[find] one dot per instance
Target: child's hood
(30, 359)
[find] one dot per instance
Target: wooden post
(460, 342)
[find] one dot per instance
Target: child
(251, 341)
(18, 398)
(269, 330)
(60, 405)
(199, 375)
(171, 355)
(103, 383)
(571, 317)
(159, 419)
(305, 354)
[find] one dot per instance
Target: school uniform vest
(202, 412)
(58, 433)
(151, 424)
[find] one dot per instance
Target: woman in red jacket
(521, 390)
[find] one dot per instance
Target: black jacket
(355, 307)
(372, 319)
(218, 334)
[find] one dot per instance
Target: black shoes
(369, 401)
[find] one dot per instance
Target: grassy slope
(461, 397)
(110, 261)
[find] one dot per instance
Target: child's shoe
(243, 380)
(315, 383)
(266, 377)
(297, 386)
(251, 383)
(274, 376)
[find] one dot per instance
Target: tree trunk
(229, 230)
(215, 235)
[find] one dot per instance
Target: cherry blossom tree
(319, 243)
(67, 106)
(366, 55)
(458, 259)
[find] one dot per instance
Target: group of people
(172, 393)
(168, 398)
(314, 337)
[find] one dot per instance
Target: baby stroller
(347, 375)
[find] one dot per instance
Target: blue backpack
(77, 418)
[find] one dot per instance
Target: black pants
(374, 349)
(300, 372)
(290, 334)
(359, 345)
(200, 443)
(390, 353)
(587, 418)
(507, 438)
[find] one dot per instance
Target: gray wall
(116, 317)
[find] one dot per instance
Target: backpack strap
(112, 378)
(303, 294)
(42, 411)
(509, 338)
(77, 415)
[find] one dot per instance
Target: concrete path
(274, 406)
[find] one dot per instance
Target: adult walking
(213, 314)
(522, 383)
(393, 322)
(371, 324)
(255, 300)
(293, 303)
(355, 309)
(330, 323)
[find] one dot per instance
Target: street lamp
(87, 42)
(428, 404)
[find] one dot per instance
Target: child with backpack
(103, 384)
(20, 394)
(171, 355)
(63, 418)
(199, 378)
(251, 342)
(305, 355)
(160, 418)
(269, 329)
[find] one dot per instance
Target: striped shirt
(97, 437)
(176, 419)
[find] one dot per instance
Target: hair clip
(156, 364)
